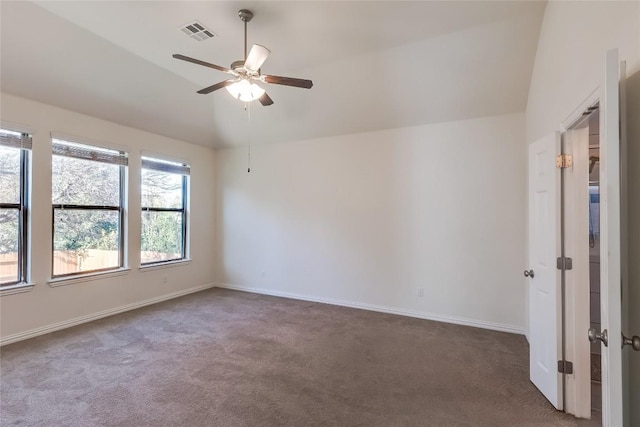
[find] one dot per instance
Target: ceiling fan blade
(206, 64)
(257, 55)
(288, 81)
(265, 99)
(215, 87)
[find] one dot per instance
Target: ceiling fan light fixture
(245, 91)
(246, 72)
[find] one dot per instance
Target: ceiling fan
(246, 73)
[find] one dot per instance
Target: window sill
(18, 288)
(168, 264)
(62, 281)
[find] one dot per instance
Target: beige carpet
(226, 358)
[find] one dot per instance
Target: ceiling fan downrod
(245, 16)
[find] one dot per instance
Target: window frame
(183, 210)
(23, 218)
(75, 207)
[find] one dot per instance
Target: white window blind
(13, 139)
(88, 152)
(165, 166)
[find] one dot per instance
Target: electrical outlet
(164, 278)
(421, 292)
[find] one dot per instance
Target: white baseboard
(99, 315)
(402, 312)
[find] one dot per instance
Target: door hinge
(564, 161)
(564, 263)
(565, 367)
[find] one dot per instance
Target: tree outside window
(87, 200)
(163, 192)
(14, 152)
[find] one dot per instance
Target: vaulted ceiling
(375, 65)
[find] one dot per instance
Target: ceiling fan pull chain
(247, 107)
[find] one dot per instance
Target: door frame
(576, 207)
(578, 402)
(578, 350)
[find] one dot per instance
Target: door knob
(594, 336)
(528, 273)
(634, 342)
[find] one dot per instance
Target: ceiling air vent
(197, 31)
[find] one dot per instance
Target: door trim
(578, 384)
(576, 116)
(578, 402)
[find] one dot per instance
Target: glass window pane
(9, 237)
(85, 240)
(161, 236)
(161, 189)
(83, 182)
(9, 175)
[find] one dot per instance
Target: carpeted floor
(227, 358)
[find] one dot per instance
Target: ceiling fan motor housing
(236, 65)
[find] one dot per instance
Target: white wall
(370, 219)
(44, 305)
(569, 66)
(570, 59)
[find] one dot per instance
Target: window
(14, 153)
(88, 208)
(164, 201)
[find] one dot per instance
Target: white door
(544, 279)
(610, 244)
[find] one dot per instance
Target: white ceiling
(375, 65)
